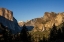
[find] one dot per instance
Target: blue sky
(24, 10)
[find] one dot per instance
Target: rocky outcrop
(46, 21)
(7, 19)
(6, 13)
(59, 18)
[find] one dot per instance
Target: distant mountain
(21, 23)
(8, 20)
(46, 21)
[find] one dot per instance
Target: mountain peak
(47, 20)
(6, 13)
(7, 19)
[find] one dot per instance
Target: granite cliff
(8, 20)
(46, 21)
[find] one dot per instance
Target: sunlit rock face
(53, 18)
(7, 19)
(47, 21)
(49, 16)
(59, 19)
(6, 13)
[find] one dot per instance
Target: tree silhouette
(6, 33)
(18, 38)
(59, 34)
(29, 38)
(1, 32)
(62, 31)
(25, 37)
(44, 39)
(53, 33)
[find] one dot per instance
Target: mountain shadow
(12, 25)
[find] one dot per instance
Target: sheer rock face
(56, 18)
(7, 19)
(47, 21)
(59, 18)
(6, 13)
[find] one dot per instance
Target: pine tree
(44, 39)
(62, 31)
(53, 33)
(59, 34)
(25, 35)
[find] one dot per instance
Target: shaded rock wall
(7, 19)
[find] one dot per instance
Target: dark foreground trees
(53, 33)
(25, 36)
(6, 34)
(56, 35)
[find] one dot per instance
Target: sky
(24, 10)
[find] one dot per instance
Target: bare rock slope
(46, 21)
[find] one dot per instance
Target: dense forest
(55, 34)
